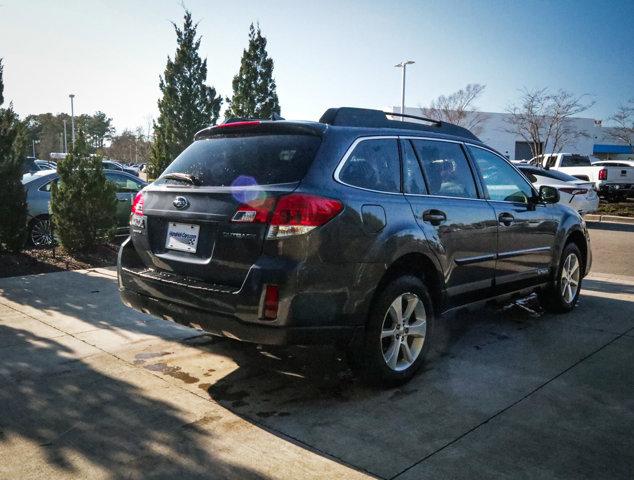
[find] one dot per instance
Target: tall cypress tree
(187, 104)
(12, 194)
(254, 90)
(83, 202)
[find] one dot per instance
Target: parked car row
(613, 180)
(38, 197)
(578, 194)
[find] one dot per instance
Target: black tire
(40, 232)
(368, 356)
(554, 297)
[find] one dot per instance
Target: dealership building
(594, 139)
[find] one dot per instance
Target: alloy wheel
(570, 274)
(403, 331)
(41, 232)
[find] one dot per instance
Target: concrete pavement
(613, 247)
(89, 388)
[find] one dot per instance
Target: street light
(34, 142)
(65, 138)
(403, 65)
(72, 119)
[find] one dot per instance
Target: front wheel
(398, 334)
(562, 296)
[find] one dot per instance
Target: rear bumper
(317, 304)
(612, 188)
(233, 328)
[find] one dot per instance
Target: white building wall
(495, 135)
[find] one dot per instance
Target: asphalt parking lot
(91, 389)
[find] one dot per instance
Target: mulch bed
(622, 209)
(45, 260)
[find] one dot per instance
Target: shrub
(12, 194)
(83, 202)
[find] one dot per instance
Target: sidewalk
(91, 389)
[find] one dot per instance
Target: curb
(609, 219)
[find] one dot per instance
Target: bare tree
(459, 109)
(624, 123)
(543, 119)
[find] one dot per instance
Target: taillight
(603, 174)
(271, 302)
(298, 213)
(137, 204)
(574, 191)
(257, 212)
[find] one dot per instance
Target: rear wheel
(562, 296)
(41, 231)
(398, 333)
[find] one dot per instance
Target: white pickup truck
(613, 183)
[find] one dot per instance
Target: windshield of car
(245, 160)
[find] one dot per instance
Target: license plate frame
(182, 237)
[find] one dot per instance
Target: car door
(449, 209)
(126, 189)
(526, 229)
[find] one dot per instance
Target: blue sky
(327, 53)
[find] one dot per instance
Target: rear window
(557, 175)
(242, 160)
(575, 161)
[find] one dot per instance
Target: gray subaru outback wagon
(358, 230)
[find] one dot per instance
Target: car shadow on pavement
(78, 420)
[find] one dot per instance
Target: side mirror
(548, 194)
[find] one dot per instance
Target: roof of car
(361, 121)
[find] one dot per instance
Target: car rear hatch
(199, 215)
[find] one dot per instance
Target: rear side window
(575, 161)
(242, 160)
(373, 164)
(124, 183)
(446, 169)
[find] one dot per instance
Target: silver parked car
(38, 198)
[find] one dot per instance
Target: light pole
(72, 119)
(34, 142)
(403, 65)
(65, 138)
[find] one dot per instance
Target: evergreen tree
(187, 104)
(254, 91)
(12, 194)
(83, 202)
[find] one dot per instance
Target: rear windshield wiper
(184, 177)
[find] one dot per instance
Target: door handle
(506, 218)
(434, 217)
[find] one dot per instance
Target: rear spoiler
(253, 126)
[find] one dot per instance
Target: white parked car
(575, 193)
(612, 182)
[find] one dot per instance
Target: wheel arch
(419, 265)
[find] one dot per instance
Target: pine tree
(83, 202)
(187, 104)
(12, 194)
(254, 90)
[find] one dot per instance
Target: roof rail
(365, 117)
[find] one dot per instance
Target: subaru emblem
(181, 203)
